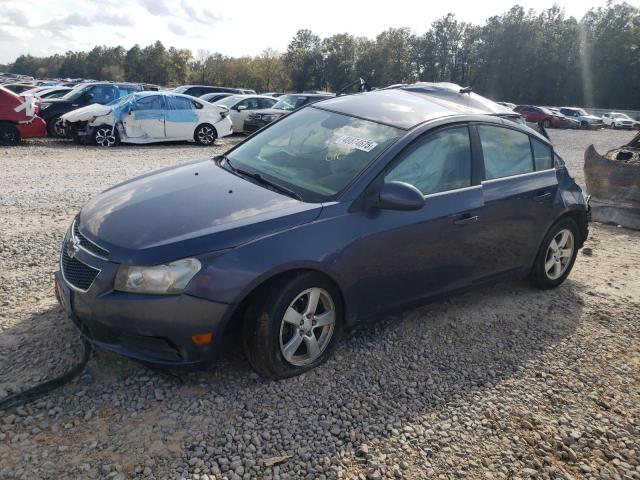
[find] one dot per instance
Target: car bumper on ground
(154, 329)
(36, 128)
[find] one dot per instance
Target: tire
(547, 273)
(584, 125)
(205, 135)
(106, 136)
(54, 127)
(277, 345)
(9, 134)
(546, 123)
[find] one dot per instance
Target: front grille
(75, 272)
(88, 244)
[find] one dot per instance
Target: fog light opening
(202, 338)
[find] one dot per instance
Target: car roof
(407, 106)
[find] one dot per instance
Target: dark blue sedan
(341, 212)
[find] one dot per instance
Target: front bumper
(154, 329)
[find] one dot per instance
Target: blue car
(339, 213)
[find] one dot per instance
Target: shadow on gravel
(379, 380)
(61, 144)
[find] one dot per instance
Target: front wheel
(205, 135)
(546, 123)
(106, 136)
(292, 325)
(556, 256)
(9, 135)
(55, 127)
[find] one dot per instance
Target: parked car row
(571, 117)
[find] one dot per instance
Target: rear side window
(179, 103)
(437, 163)
(542, 154)
(506, 152)
(152, 102)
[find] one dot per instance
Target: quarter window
(506, 152)
(439, 162)
(542, 155)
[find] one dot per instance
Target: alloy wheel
(105, 137)
(559, 254)
(307, 326)
(58, 128)
(206, 135)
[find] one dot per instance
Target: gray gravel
(504, 382)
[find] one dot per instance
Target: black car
(285, 105)
(199, 90)
(81, 96)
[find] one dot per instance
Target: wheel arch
(236, 316)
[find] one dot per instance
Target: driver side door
(403, 257)
(242, 111)
(146, 118)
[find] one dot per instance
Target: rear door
(518, 190)
(146, 118)
(181, 118)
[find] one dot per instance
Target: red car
(19, 118)
(541, 115)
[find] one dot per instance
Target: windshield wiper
(260, 178)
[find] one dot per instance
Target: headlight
(270, 118)
(165, 279)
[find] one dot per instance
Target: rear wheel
(9, 134)
(292, 325)
(106, 136)
(557, 255)
(205, 135)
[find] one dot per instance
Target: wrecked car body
(613, 180)
(19, 118)
(148, 117)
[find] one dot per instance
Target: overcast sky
(232, 27)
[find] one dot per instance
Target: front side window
(150, 102)
(314, 152)
(439, 162)
(542, 154)
(249, 104)
(506, 152)
(103, 94)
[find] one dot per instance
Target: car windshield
(581, 111)
(228, 101)
(313, 152)
(622, 116)
(289, 102)
(75, 92)
(182, 89)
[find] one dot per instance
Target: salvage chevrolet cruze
(336, 214)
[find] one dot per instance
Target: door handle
(541, 196)
(466, 219)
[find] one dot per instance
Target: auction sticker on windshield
(355, 142)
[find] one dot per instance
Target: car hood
(186, 210)
(89, 112)
(590, 117)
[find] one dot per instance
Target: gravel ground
(504, 382)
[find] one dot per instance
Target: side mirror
(239, 108)
(400, 196)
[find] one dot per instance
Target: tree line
(520, 56)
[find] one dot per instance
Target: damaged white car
(148, 117)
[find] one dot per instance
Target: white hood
(87, 113)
